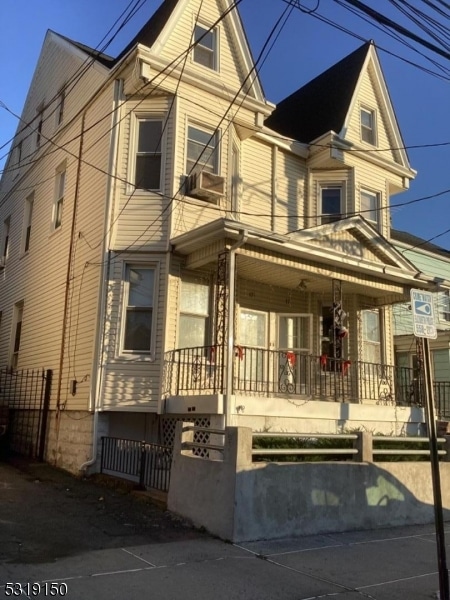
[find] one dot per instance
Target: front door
(294, 351)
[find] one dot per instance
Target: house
(435, 261)
(174, 245)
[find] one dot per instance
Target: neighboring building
(435, 261)
(175, 246)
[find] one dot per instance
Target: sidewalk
(107, 544)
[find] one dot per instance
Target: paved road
(97, 542)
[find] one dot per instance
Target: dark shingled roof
(104, 59)
(149, 33)
(322, 104)
(416, 242)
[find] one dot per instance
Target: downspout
(70, 261)
(99, 343)
(230, 325)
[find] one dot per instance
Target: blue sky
(305, 47)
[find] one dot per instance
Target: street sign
(423, 314)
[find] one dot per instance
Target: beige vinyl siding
(58, 61)
(38, 278)
(290, 193)
(133, 381)
(369, 98)
(373, 179)
(229, 73)
(256, 161)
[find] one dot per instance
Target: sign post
(425, 328)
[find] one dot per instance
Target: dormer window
(370, 205)
(205, 50)
(368, 126)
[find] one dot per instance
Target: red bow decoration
(291, 358)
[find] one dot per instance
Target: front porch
(201, 371)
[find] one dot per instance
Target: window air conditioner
(206, 186)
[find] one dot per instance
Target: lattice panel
(200, 437)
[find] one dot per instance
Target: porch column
(221, 311)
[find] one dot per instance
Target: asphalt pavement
(62, 536)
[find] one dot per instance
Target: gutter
(99, 343)
(231, 303)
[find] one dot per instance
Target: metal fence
(26, 396)
(145, 463)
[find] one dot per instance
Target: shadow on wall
(279, 500)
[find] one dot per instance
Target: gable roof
(418, 243)
(149, 33)
(322, 104)
(102, 58)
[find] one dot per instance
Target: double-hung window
(444, 306)
(370, 205)
(16, 334)
(147, 172)
(194, 313)
(60, 106)
(205, 49)
(331, 203)
(371, 335)
(40, 121)
(202, 150)
(60, 188)
(28, 215)
(5, 238)
(368, 132)
(139, 304)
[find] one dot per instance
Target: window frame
(134, 145)
(201, 48)
(6, 235)
(40, 123)
(205, 317)
(60, 107)
(371, 132)
(138, 354)
(327, 218)
(58, 202)
(214, 134)
(443, 303)
(27, 221)
(376, 209)
(16, 334)
(370, 343)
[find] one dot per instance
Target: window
(139, 294)
(60, 107)
(371, 336)
(5, 238)
(40, 120)
(17, 158)
(444, 306)
(148, 156)
(331, 202)
(28, 215)
(60, 186)
(202, 150)
(194, 313)
(16, 334)
(368, 126)
(205, 49)
(370, 205)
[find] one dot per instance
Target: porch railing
(258, 371)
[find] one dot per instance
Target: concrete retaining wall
(241, 501)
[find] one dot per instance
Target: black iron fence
(144, 463)
(25, 399)
(442, 399)
(274, 372)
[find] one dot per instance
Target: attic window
(205, 49)
(368, 126)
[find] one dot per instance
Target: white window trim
(443, 301)
(321, 185)
(307, 316)
(18, 309)
(377, 205)
(132, 152)
(216, 30)
(62, 168)
(209, 129)
(27, 222)
(373, 112)
(192, 278)
(129, 355)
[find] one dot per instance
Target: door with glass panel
(251, 353)
(293, 353)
